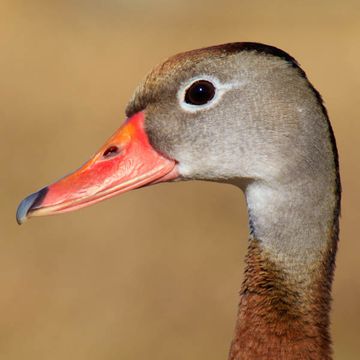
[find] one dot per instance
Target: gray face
(262, 124)
(265, 130)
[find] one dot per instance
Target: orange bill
(127, 161)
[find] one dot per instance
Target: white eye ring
(220, 89)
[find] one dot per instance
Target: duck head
(236, 113)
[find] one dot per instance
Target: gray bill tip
(28, 204)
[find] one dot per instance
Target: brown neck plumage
(277, 321)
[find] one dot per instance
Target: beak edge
(28, 204)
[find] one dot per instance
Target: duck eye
(200, 92)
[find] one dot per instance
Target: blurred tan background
(153, 274)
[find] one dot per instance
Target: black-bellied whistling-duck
(245, 114)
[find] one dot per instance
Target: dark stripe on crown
(257, 47)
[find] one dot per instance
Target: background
(154, 273)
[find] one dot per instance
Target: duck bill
(126, 161)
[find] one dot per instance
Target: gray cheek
(207, 144)
(209, 147)
(218, 142)
(164, 128)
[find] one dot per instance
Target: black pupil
(200, 93)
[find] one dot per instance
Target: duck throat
(285, 297)
(276, 320)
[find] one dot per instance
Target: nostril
(111, 151)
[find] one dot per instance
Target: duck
(245, 114)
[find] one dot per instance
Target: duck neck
(285, 296)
